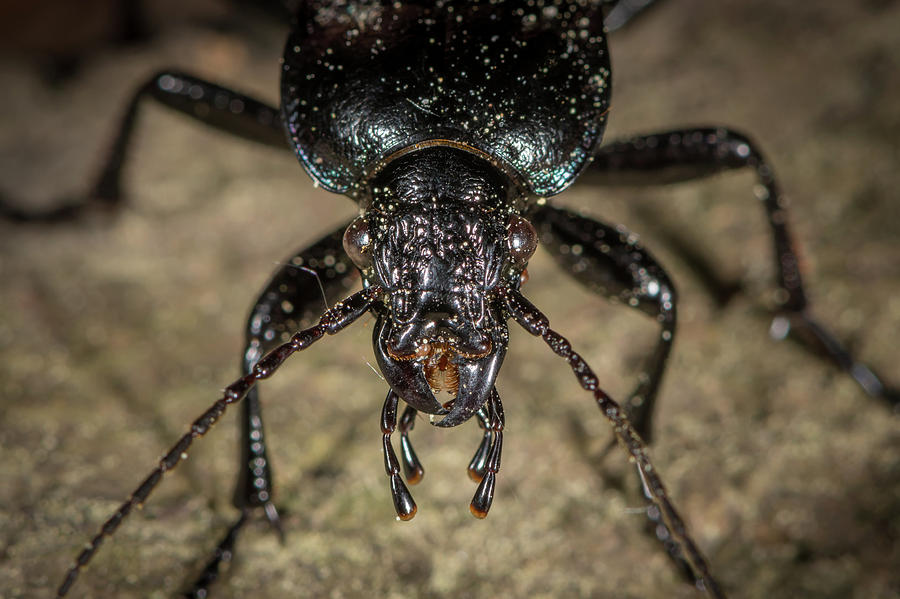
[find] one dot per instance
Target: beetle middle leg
(289, 302)
(683, 155)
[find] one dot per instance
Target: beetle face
(440, 236)
(441, 332)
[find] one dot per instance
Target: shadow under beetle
(450, 125)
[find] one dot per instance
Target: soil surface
(117, 331)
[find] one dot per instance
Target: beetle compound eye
(521, 239)
(358, 243)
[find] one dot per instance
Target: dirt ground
(116, 332)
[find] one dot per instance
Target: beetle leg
(321, 273)
(289, 302)
(223, 554)
(682, 155)
(403, 501)
(611, 262)
(412, 467)
(663, 510)
(211, 104)
(331, 322)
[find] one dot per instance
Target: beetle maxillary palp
(486, 462)
(412, 467)
(403, 501)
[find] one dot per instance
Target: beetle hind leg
(216, 106)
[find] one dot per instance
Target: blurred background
(118, 331)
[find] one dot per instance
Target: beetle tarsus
(222, 555)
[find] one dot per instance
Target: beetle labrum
(410, 166)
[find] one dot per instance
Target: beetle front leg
(683, 155)
(611, 262)
(536, 323)
(317, 274)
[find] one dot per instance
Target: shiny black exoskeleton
(449, 124)
(468, 111)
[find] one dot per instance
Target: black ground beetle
(450, 124)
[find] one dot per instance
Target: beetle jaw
(439, 365)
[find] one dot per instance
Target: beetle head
(442, 332)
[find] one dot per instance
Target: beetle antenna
(535, 322)
(332, 321)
